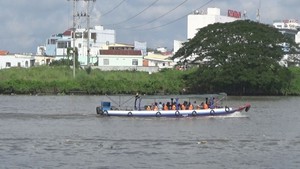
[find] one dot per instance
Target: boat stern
(105, 106)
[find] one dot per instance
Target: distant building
(198, 20)
(42, 60)
(141, 46)
(161, 60)
(291, 28)
(119, 57)
(201, 19)
(57, 45)
(15, 60)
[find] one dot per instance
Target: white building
(291, 28)
(291, 24)
(198, 20)
(16, 60)
(120, 57)
(57, 45)
(297, 38)
(158, 60)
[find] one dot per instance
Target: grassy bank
(59, 80)
(295, 84)
(54, 80)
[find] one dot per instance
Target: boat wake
(233, 115)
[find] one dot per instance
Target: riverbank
(47, 80)
(59, 80)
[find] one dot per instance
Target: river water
(65, 132)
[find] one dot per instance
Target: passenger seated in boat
(191, 107)
(148, 108)
(205, 106)
(169, 106)
(202, 105)
(160, 106)
(165, 107)
(155, 108)
(173, 107)
(182, 107)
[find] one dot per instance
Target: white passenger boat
(173, 106)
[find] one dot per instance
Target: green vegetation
(54, 80)
(242, 58)
(59, 80)
(294, 88)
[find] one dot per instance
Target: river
(65, 132)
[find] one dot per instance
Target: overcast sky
(26, 24)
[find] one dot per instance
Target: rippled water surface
(65, 132)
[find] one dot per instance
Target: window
(8, 64)
(63, 44)
(19, 64)
(93, 36)
(135, 62)
(51, 41)
(79, 45)
(105, 61)
(85, 35)
(78, 35)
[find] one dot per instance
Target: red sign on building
(234, 14)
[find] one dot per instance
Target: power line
(178, 18)
(135, 14)
(119, 4)
(138, 26)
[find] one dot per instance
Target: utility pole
(77, 14)
(74, 40)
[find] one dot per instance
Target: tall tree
(240, 57)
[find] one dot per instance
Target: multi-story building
(57, 45)
(291, 28)
(198, 20)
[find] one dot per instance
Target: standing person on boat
(212, 103)
(137, 96)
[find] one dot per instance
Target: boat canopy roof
(191, 96)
